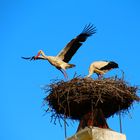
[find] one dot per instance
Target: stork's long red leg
(100, 76)
(64, 73)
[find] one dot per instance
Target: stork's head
(39, 53)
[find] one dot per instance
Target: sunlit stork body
(101, 67)
(61, 60)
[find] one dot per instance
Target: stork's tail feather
(71, 65)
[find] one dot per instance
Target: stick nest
(79, 96)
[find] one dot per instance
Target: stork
(101, 67)
(61, 60)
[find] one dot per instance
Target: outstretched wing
(71, 48)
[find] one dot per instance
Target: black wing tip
(114, 64)
(89, 29)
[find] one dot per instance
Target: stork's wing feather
(110, 65)
(71, 48)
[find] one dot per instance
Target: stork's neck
(43, 54)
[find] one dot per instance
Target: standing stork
(61, 60)
(101, 67)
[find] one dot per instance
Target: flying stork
(101, 67)
(61, 60)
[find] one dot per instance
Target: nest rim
(65, 100)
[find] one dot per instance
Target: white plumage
(101, 67)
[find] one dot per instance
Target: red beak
(37, 55)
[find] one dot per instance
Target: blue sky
(27, 26)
